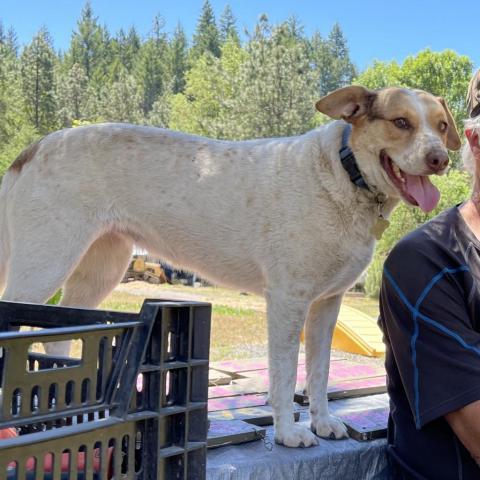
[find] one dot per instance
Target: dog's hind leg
(42, 256)
(97, 274)
(41, 260)
(286, 312)
(99, 271)
(319, 328)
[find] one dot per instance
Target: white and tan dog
(278, 217)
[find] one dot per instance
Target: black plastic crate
(133, 406)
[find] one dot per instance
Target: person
(430, 317)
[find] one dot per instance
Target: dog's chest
(343, 248)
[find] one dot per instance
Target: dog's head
(399, 137)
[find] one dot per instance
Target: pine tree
(8, 40)
(228, 26)
(206, 37)
(321, 61)
(9, 72)
(121, 101)
(8, 55)
(337, 69)
(159, 115)
(278, 88)
(38, 82)
(72, 95)
(207, 107)
(151, 69)
(90, 46)
(16, 132)
(178, 59)
(128, 45)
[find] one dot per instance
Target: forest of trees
(213, 84)
(222, 83)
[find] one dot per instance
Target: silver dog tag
(380, 226)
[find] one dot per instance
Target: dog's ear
(453, 139)
(348, 103)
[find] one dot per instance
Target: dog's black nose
(437, 160)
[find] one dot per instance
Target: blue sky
(375, 29)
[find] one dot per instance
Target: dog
(281, 217)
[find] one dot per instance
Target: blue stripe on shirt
(416, 314)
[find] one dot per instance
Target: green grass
(234, 311)
(123, 302)
(364, 304)
(237, 332)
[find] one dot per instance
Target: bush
(454, 187)
(373, 279)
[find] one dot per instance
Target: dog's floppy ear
(453, 139)
(348, 103)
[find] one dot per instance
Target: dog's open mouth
(417, 190)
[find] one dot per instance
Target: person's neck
(470, 210)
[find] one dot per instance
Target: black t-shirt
(430, 317)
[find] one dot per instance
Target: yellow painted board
(358, 333)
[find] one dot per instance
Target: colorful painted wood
(340, 372)
(261, 416)
(232, 432)
(366, 424)
(218, 378)
(241, 401)
(349, 389)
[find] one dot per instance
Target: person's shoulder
(430, 241)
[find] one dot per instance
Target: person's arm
(465, 422)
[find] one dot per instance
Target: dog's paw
(329, 427)
(295, 436)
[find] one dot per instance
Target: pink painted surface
(350, 370)
(375, 418)
(229, 403)
(360, 383)
(242, 413)
(341, 374)
(253, 364)
(248, 365)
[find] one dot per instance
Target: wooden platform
(248, 385)
(239, 414)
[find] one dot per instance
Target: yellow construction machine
(141, 269)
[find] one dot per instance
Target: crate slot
(66, 362)
(172, 431)
(174, 387)
(199, 383)
(197, 427)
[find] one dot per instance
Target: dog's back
(172, 193)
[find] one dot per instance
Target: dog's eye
(402, 123)
(443, 127)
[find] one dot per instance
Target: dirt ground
(238, 319)
(214, 295)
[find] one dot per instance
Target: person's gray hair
(473, 95)
(467, 155)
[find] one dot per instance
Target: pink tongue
(423, 191)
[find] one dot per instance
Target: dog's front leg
(286, 316)
(319, 328)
